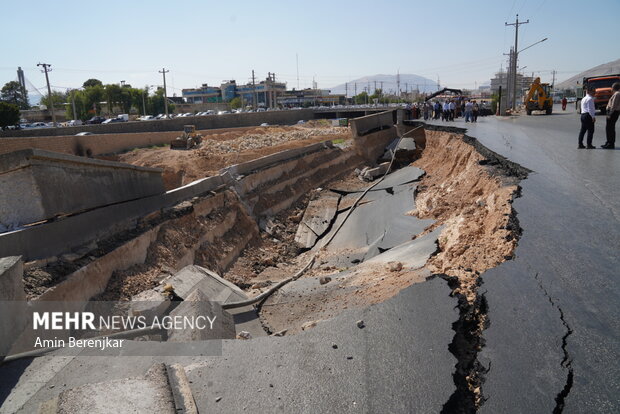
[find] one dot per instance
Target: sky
(461, 43)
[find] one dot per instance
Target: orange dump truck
(602, 84)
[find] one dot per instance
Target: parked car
(223, 112)
(95, 120)
(74, 122)
(113, 120)
(146, 118)
(81, 134)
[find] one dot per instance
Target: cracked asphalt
(553, 340)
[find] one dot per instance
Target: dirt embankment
(473, 205)
(233, 146)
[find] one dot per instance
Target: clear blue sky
(461, 42)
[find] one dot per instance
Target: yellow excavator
(539, 98)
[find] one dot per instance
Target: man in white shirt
(587, 118)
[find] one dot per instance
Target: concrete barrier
(201, 122)
(370, 123)
(36, 185)
(371, 146)
(57, 237)
(12, 297)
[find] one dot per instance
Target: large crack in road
(567, 362)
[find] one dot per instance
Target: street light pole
(514, 60)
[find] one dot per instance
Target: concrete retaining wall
(366, 124)
(57, 237)
(37, 185)
(372, 146)
(201, 122)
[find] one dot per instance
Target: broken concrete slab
(216, 288)
(149, 304)
(412, 372)
(370, 222)
(30, 180)
(149, 393)
(316, 220)
(198, 305)
(184, 402)
(412, 254)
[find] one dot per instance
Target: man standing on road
(587, 118)
(613, 111)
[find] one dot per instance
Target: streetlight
(516, 56)
(533, 44)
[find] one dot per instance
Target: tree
(91, 83)
(59, 99)
(156, 103)
(236, 103)
(361, 98)
(13, 93)
(9, 114)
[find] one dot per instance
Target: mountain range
(389, 83)
(604, 69)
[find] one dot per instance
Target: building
(310, 97)
(204, 94)
(501, 79)
(263, 94)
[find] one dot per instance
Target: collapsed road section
(440, 207)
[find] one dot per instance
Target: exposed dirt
(223, 148)
(180, 238)
(473, 206)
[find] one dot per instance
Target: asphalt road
(554, 330)
(552, 343)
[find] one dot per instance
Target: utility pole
(254, 103)
(375, 87)
(346, 90)
(355, 84)
(73, 104)
(398, 83)
(46, 69)
(514, 60)
(164, 71)
(553, 82)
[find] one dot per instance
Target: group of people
(588, 119)
(447, 110)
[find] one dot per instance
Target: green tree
(156, 103)
(58, 98)
(236, 103)
(13, 93)
(92, 100)
(9, 114)
(91, 83)
(361, 98)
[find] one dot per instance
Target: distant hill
(604, 69)
(410, 82)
